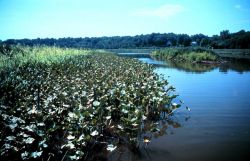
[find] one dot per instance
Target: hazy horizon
(33, 19)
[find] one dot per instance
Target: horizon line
(119, 35)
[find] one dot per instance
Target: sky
(94, 18)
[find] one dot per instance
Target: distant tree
(184, 40)
(224, 34)
(198, 37)
(11, 42)
(226, 39)
(205, 42)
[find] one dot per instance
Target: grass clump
(61, 109)
(187, 55)
(18, 55)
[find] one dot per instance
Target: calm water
(218, 126)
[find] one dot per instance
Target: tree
(239, 39)
(224, 34)
(205, 42)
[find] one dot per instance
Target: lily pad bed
(64, 109)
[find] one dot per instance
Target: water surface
(218, 126)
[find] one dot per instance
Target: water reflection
(218, 127)
(192, 67)
(238, 65)
(135, 55)
(127, 152)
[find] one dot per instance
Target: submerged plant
(63, 109)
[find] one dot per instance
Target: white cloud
(237, 6)
(165, 11)
(241, 8)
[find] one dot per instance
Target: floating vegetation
(63, 109)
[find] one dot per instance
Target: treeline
(227, 40)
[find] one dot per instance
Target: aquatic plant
(61, 109)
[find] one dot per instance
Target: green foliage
(238, 40)
(186, 55)
(60, 109)
(18, 55)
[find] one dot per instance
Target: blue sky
(94, 18)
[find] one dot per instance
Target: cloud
(165, 11)
(237, 6)
(241, 8)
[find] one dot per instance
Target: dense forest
(227, 40)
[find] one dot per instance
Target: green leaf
(96, 103)
(36, 154)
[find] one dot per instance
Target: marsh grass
(18, 55)
(187, 55)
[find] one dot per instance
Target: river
(218, 126)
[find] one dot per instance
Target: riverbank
(233, 53)
(224, 53)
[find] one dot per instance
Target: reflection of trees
(188, 67)
(238, 65)
(192, 67)
(135, 55)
